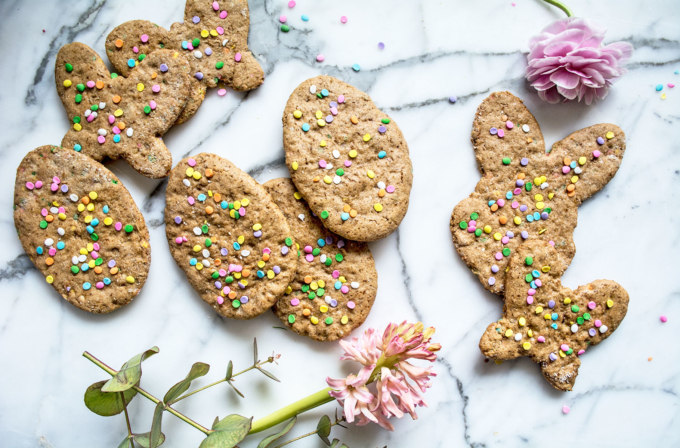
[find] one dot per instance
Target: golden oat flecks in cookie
(81, 229)
(228, 236)
(121, 118)
(348, 159)
(527, 192)
(551, 324)
(214, 38)
(336, 281)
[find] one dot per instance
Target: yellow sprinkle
(88, 219)
(353, 153)
(314, 320)
(318, 114)
(67, 83)
(487, 229)
(540, 205)
(498, 361)
(260, 264)
(538, 197)
(245, 202)
(567, 301)
(196, 175)
(663, 96)
(582, 160)
(83, 251)
(91, 264)
(508, 333)
(77, 127)
(322, 284)
(327, 179)
(497, 236)
(522, 321)
(314, 286)
(517, 220)
(140, 87)
(610, 303)
(118, 112)
(530, 333)
(370, 174)
(323, 308)
(526, 345)
(545, 269)
(108, 221)
(367, 137)
(537, 181)
(213, 33)
(210, 193)
(294, 165)
(241, 239)
(342, 279)
(199, 266)
(289, 290)
(297, 195)
(49, 279)
(321, 123)
(542, 231)
(197, 248)
(539, 309)
(244, 282)
(551, 195)
(546, 317)
(93, 195)
(344, 320)
(81, 207)
(562, 354)
(297, 114)
(204, 33)
(190, 172)
(378, 207)
(90, 247)
(543, 179)
(257, 226)
(232, 213)
(237, 205)
(62, 216)
(323, 143)
(270, 274)
(610, 135)
(574, 179)
(237, 275)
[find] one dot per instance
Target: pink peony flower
(566, 60)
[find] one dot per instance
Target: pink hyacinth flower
(353, 394)
(567, 61)
(363, 350)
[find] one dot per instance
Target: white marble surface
(627, 232)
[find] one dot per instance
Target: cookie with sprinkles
(348, 159)
(214, 38)
(336, 281)
(121, 118)
(228, 236)
(527, 193)
(547, 322)
(81, 229)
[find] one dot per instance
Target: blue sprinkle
(508, 195)
(224, 204)
(107, 281)
(39, 250)
(344, 216)
(491, 203)
(530, 218)
(338, 285)
(90, 229)
(95, 221)
(305, 18)
(356, 67)
(537, 216)
(193, 262)
(324, 92)
(85, 267)
(321, 242)
(60, 245)
(237, 246)
(532, 284)
(185, 44)
(305, 127)
(535, 273)
(382, 154)
(659, 87)
(77, 147)
(554, 326)
(554, 316)
(131, 63)
(572, 165)
(87, 286)
(116, 138)
(260, 274)
(201, 197)
(105, 209)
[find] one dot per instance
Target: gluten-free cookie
(547, 322)
(228, 236)
(527, 192)
(214, 38)
(81, 229)
(348, 159)
(336, 281)
(115, 117)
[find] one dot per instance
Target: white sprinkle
(129, 132)
(381, 185)
(224, 42)
(312, 89)
(205, 263)
(578, 170)
(198, 54)
(94, 115)
(206, 253)
(245, 253)
(354, 285)
(322, 258)
(49, 242)
(197, 231)
(603, 329)
(329, 166)
(102, 132)
(73, 198)
(301, 216)
(82, 258)
(54, 210)
(337, 180)
(525, 127)
(186, 182)
(61, 231)
(336, 153)
(574, 328)
(544, 185)
(518, 336)
(328, 299)
(74, 260)
(102, 105)
(87, 113)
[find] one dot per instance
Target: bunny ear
(495, 345)
(588, 159)
(611, 306)
(134, 41)
(561, 373)
(505, 129)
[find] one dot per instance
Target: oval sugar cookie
(336, 281)
(228, 236)
(348, 159)
(80, 227)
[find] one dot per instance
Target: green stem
(309, 434)
(127, 417)
(562, 6)
(144, 393)
(317, 399)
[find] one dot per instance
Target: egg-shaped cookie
(80, 227)
(336, 281)
(348, 159)
(228, 236)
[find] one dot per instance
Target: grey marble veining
(434, 49)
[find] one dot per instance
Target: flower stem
(562, 6)
(127, 417)
(309, 433)
(144, 393)
(290, 411)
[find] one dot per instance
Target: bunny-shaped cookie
(214, 38)
(121, 117)
(527, 193)
(547, 322)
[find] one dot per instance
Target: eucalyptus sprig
(109, 398)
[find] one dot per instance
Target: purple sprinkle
(592, 332)
(199, 75)
(341, 244)
(64, 188)
(284, 250)
(553, 357)
(178, 220)
(492, 281)
(112, 263)
(218, 285)
(329, 240)
(519, 182)
(525, 234)
(277, 270)
(551, 304)
(68, 288)
(241, 285)
(196, 19)
(453, 99)
(382, 129)
(164, 68)
(494, 268)
(334, 303)
(524, 161)
(600, 141)
(523, 208)
(493, 131)
(208, 51)
(510, 234)
(257, 233)
(329, 118)
(544, 216)
(381, 46)
(332, 104)
(244, 299)
(224, 251)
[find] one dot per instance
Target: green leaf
(155, 433)
(143, 439)
(270, 439)
(228, 432)
(254, 350)
(269, 375)
(323, 429)
(106, 404)
(125, 443)
(335, 442)
(235, 389)
(230, 369)
(217, 419)
(198, 370)
(129, 374)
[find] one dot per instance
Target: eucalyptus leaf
(335, 442)
(323, 429)
(254, 350)
(217, 419)
(155, 433)
(125, 443)
(230, 369)
(106, 404)
(130, 374)
(143, 439)
(198, 370)
(228, 432)
(270, 375)
(271, 438)
(235, 389)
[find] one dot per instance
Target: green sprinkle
(316, 251)
(291, 318)
(43, 224)
(312, 295)
(129, 228)
(75, 269)
(586, 316)
(328, 261)
(80, 87)
(320, 292)
(329, 320)
(196, 42)
(220, 64)
(76, 119)
(506, 251)
(506, 160)
(463, 225)
(236, 303)
(94, 237)
(305, 288)
(114, 75)
(289, 241)
(147, 109)
(478, 232)
(69, 67)
(215, 274)
(340, 172)
(579, 320)
(474, 216)
(141, 57)
(98, 261)
(79, 98)
(94, 108)
(570, 351)
(204, 228)
(324, 214)
(208, 243)
(528, 186)
(338, 257)
(229, 279)
(285, 28)
(529, 261)
(385, 120)
(529, 278)
(547, 210)
(574, 308)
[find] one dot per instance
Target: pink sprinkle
(135, 49)
(90, 84)
(215, 6)
(564, 347)
(350, 305)
(390, 189)
(472, 223)
(55, 187)
(156, 88)
(94, 254)
(30, 185)
(343, 19)
(111, 119)
(348, 163)
(44, 212)
(501, 133)
(565, 409)
(515, 204)
(101, 139)
(115, 130)
(266, 250)
(291, 4)
(540, 339)
(152, 104)
(63, 210)
(530, 300)
(100, 285)
(191, 162)
(671, 85)
(295, 302)
(336, 274)
(565, 169)
(552, 243)
(220, 300)
(500, 202)
(344, 289)
(341, 99)
(179, 240)
(308, 249)
(118, 226)
(471, 229)
(322, 163)
(538, 282)
(592, 305)
(531, 291)
(509, 124)
(52, 251)
(505, 240)
(242, 211)
(144, 38)
(90, 118)
(38, 184)
(512, 4)
(222, 273)
(334, 111)
(222, 92)
(499, 256)
(220, 30)
(664, 319)
(320, 58)
(283, 19)
(309, 258)
(237, 57)
(598, 323)
(223, 14)
(596, 153)
(191, 200)
(580, 352)
(516, 191)
(190, 46)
